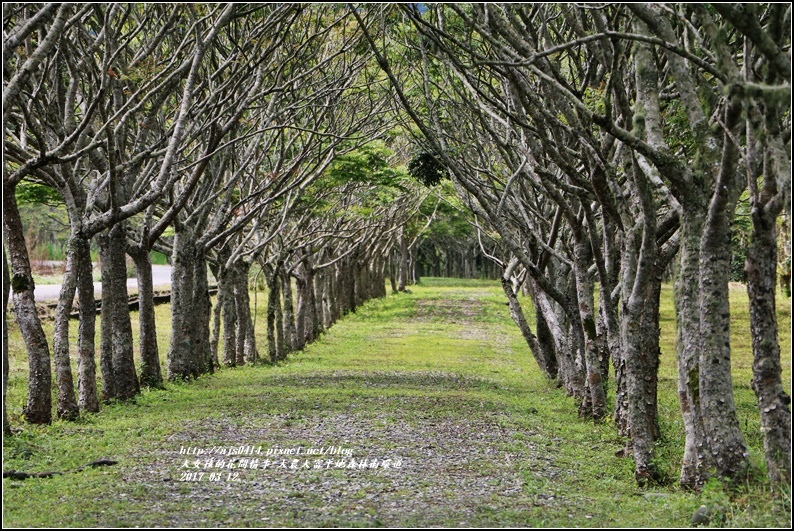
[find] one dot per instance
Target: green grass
(439, 378)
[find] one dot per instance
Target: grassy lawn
(437, 384)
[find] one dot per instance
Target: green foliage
(44, 220)
(427, 169)
(34, 193)
(159, 258)
(366, 165)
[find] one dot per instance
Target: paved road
(161, 276)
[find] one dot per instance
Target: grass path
(434, 387)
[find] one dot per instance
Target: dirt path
(407, 448)
(422, 409)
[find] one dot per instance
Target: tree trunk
(229, 311)
(151, 376)
(67, 403)
(716, 384)
(300, 313)
(289, 316)
(548, 367)
(543, 334)
(216, 327)
(773, 401)
(273, 283)
(190, 354)
(87, 397)
(6, 295)
(116, 315)
(38, 409)
(242, 311)
(203, 310)
(312, 324)
(403, 276)
(333, 294)
(569, 374)
(281, 347)
(586, 304)
(761, 273)
(392, 273)
(697, 457)
(106, 323)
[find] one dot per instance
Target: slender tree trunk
(116, 316)
(569, 376)
(281, 347)
(229, 311)
(300, 313)
(333, 294)
(290, 335)
(403, 277)
(543, 334)
(586, 304)
(311, 321)
(180, 354)
(773, 401)
(242, 310)
(761, 273)
(106, 322)
(6, 295)
(250, 352)
(151, 376)
(697, 457)
(716, 384)
(273, 282)
(216, 327)
(392, 272)
(38, 409)
(548, 368)
(67, 403)
(203, 310)
(87, 397)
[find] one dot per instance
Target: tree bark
(586, 304)
(6, 295)
(229, 312)
(151, 375)
(716, 384)
(116, 315)
(216, 325)
(761, 273)
(67, 403)
(190, 354)
(289, 316)
(242, 311)
(548, 367)
(87, 397)
(697, 457)
(106, 322)
(38, 409)
(403, 275)
(300, 313)
(273, 284)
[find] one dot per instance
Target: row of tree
(223, 135)
(594, 147)
(599, 145)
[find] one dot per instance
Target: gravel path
(419, 449)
